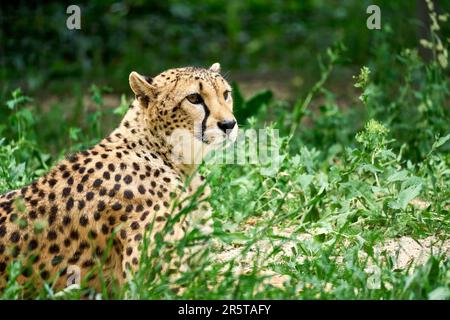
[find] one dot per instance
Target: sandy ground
(405, 252)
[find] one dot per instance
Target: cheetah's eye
(226, 95)
(195, 98)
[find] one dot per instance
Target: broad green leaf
(123, 107)
(398, 176)
(305, 180)
(238, 99)
(405, 196)
(441, 293)
(244, 110)
(441, 141)
(369, 167)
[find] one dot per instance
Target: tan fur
(116, 189)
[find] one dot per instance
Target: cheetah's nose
(225, 125)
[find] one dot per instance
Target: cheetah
(112, 192)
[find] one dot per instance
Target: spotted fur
(112, 192)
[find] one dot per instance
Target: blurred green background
(274, 40)
(290, 62)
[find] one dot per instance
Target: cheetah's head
(194, 103)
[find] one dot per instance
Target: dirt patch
(110, 101)
(406, 253)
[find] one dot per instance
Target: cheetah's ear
(141, 85)
(215, 67)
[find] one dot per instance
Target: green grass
(354, 180)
